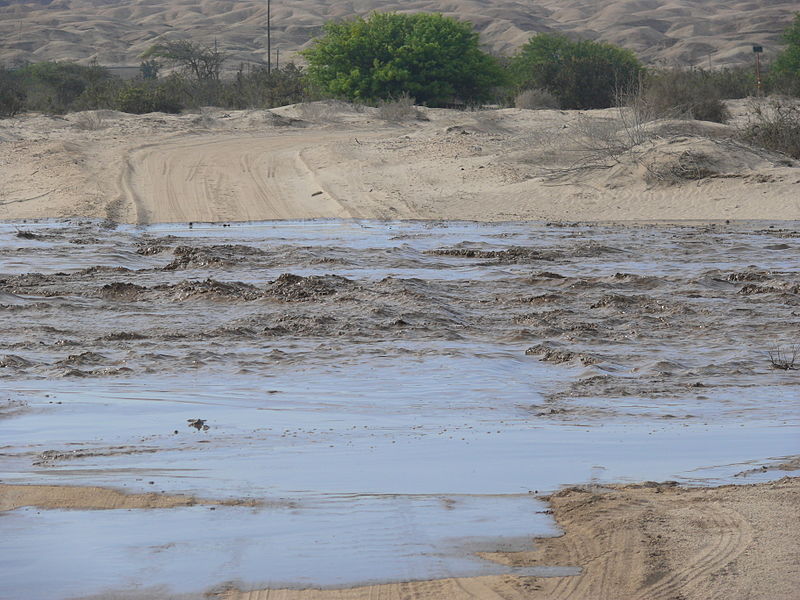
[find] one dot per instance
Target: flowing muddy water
(394, 395)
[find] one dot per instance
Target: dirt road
(239, 177)
(333, 160)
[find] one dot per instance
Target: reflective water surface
(395, 395)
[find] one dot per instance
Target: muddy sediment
(654, 310)
(387, 389)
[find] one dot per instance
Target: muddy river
(392, 397)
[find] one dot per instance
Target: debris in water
(199, 424)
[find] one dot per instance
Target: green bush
(12, 95)
(140, 97)
(55, 87)
(784, 73)
(582, 74)
(432, 58)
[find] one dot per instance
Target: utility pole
(277, 58)
(269, 36)
(757, 50)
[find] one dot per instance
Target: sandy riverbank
(96, 498)
(648, 541)
(334, 160)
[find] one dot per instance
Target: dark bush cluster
(12, 93)
(58, 88)
(435, 59)
(581, 74)
(775, 125)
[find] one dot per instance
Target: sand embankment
(647, 542)
(326, 160)
(96, 498)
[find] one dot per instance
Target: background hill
(677, 32)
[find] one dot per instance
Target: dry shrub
(785, 359)
(602, 142)
(536, 98)
(399, 109)
(680, 94)
(206, 118)
(774, 125)
(88, 121)
(327, 110)
(674, 167)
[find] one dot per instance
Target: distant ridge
(679, 32)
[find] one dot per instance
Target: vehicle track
(235, 177)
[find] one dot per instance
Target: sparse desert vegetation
(396, 312)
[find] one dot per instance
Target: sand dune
(685, 32)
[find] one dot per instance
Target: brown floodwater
(396, 393)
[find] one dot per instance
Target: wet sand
(93, 498)
(649, 541)
(387, 402)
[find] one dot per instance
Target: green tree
(62, 86)
(433, 58)
(12, 95)
(582, 74)
(201, 62)
(784, 73)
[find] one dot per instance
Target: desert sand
(646, 542)
(678, 32)
(331, 159)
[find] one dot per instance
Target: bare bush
(89, 121)
(536, 98)
(774, 125)
(399, 109)
(206, 118)
(674, 167)
(681, 94)
(602, 142)
(784, 358)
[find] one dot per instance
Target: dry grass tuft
(89, 121)
(536, 99)
(400, 109)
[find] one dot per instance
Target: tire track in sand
(728, 535)
(227, 177)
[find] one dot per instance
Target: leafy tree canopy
(582, 74)
(199, 61)
(433, 58)
(785, 71)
